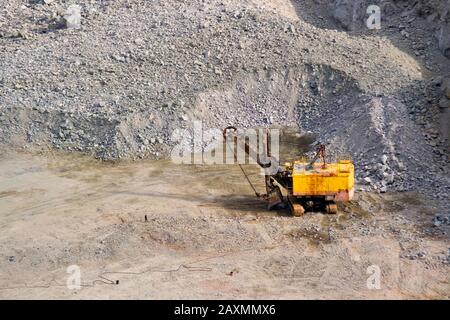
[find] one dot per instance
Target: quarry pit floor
(156, 230)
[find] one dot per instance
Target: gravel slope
(137, 67)
(136, 71)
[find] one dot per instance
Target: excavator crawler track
(297, 209)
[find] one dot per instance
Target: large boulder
(72, 17)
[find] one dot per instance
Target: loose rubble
(115, 79)
(72, 17)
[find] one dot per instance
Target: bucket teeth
(297, 209)
(274, 198)
(331, 208)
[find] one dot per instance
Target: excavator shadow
(236, 205)
(247, 205)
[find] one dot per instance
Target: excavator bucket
(274, 198)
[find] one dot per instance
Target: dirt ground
(134, 72)
(206, 236)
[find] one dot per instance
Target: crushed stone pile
(389, 150)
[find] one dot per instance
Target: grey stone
(444, 40)
(444, 103)
(72, 17)
(389, 178)
(343, 13)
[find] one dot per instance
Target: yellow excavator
(306, 184)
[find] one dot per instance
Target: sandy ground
(206, 236)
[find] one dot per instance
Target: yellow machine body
(335, 181)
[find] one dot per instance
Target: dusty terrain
(135, 71)
(206, 236)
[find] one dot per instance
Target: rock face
(72, 17)
(351, 15)
(437, 12)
